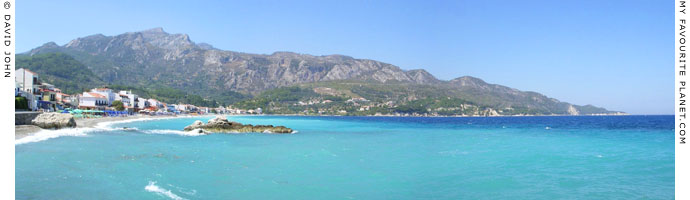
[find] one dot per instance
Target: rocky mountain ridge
(151, 54)
(154, 58)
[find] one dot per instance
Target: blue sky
(614, 54)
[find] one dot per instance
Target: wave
(82, 132)
(152, 187)
(102, 126)
(49, 134)
(54, 133)
(194, 132)
(190, 192)
(110, 123)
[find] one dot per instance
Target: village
(31, 94)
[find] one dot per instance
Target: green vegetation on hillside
(371, 98)
(73, 77)
(284, 95)
(61, 70)
(462, 96)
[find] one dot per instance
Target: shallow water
(597, 157)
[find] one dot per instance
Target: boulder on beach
(223, 125)
(54, 121)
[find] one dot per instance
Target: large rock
(54, 121)
(222, 125)
(196, 125)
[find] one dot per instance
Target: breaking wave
(108, 124)
(194, 132)
(55, 133)
(102, 126)
(49, 134)
(152, 187)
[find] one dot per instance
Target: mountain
(153, 59)
(61, 70)
(154, 55)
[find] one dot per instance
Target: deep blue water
(593, 157)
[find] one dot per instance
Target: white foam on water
(110, 123)
(49, 134)
(191, 192)
(152, 187)
(102, 126)
(79, 132)
(194, 132)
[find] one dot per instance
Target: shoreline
(21, 131)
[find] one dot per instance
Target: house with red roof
(93, 101)
(108, 93)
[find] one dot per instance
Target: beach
(21, 131)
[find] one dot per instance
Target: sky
(614, 54)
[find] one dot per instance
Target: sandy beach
(21, 131)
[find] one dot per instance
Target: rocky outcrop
(222, 125)
(54, 121)
(572, 110)
(490, 113)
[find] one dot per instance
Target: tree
(21, 103)
(118, 105)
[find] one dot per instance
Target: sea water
(593, 157)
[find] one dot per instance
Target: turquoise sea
(588, 157)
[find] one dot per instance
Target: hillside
(445, 98)
(154, 56)
(60, 69)
(154, 60)
(73, 77)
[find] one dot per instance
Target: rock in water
(54, 121)
(196, 125)
(222, 125)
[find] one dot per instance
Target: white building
(93, 100)
(133, 98)
(191, 108)
(221, 110)
(154, 103)
(107, 92)
(27, 81)
(181, 107)
(143, 103)
(124, 99)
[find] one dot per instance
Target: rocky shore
(222, 125)
(54, 121)
(21, 131)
